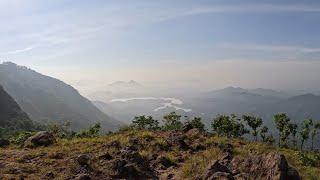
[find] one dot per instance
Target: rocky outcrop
(130, 165)
(42, 138)
(272, 166)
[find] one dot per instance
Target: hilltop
(143, 154)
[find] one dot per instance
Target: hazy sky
(207, 43)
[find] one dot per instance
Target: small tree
(305, 131)
(197, 123)
(266, 138)
(254, 123)
(263, 133)
(293, 130)
(172, 121)
(92, 132)
(229, 126)
(145, 122)
(282, 121)
(314, 132)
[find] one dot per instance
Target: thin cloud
(18, 51)
(267, 47)
(245, 8)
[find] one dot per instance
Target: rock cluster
(272, 166)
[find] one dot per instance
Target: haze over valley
(170, 89)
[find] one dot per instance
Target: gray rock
(83, 159)
(42, 138)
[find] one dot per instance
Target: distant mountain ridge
(261, 102)
(123, 84)
(47, 99)
(12, 118)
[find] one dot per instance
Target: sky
(175, 43)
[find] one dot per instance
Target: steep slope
(11, 116)
(46, 99)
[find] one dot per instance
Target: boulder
(4, 143)
(265, 166)
(42, 138)
(83, 159)
(129, 164)
(272, 166)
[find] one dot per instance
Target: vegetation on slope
(174, 150)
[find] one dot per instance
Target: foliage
(282, 122)
(21, 137)
(309, 159)
(314, 132)
(172, 121)
(92, 132)
(254, 123)
(305, 131)
(196, 123)
(145, 122)
(293, 128)
(229, 126)
(62, 131)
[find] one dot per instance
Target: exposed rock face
(4, 142)
(42, 138)
(130, 165)
(272, 166)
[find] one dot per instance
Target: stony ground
(153, 155)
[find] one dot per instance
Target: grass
(34, 163)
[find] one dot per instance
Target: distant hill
(123, 84)
(261, 102)
(50, 100)
(12, 117)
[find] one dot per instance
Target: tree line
(233, 126)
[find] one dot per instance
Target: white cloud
(18, 51)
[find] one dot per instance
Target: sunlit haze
(166, 44)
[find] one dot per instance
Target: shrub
(172, 122)
(309, 159)
(92, 132)
(145, 122)
(254, 123)
(229, 126)
(21, 137)
(196, 123)
(61, 131)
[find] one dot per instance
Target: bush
(229, 126)
(21, 137)
(309, 159)
(196, 123)
(61, 131)
(145, 122)
(172, 122)
(92, 132)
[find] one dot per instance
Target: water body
(168, 102)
